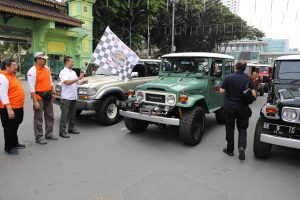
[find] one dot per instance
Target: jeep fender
(194, 100)
(114, 91)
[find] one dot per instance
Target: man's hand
(84, 82)
(11, 113)
(53, 97)
(36, 105)
(81, 76)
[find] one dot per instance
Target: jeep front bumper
(150, 118)
(92, 104)
(281, 141)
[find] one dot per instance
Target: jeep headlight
(87, 91)
(140, 96)
(289, 114)
(171, 100)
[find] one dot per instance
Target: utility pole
(173, 26)
(148, 52)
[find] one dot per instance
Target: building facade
(276, 45)
(58, 29)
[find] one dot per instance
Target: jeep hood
(95, 80)
(289, 95)
(174, 84)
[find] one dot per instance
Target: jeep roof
(198, 54)
(289, 57)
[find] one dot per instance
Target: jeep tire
(78, 112)
(221, 115)
(108, 112)
(261, 149)
(261, 91)
(135, 125)
(192, 125)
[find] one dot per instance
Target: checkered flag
(112, 54)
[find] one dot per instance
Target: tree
(118, 15)
(201, 26)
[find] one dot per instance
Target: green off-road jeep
(183, 94)
(279, 122)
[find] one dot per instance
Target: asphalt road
(108, 163)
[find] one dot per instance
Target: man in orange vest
(42, 94)
(11, 106)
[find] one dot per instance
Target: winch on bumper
(151, 113)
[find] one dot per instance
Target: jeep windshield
(183, 64)
(96, 70)
(289, 70)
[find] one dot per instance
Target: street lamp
(130, 24)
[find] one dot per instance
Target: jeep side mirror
(134, 74)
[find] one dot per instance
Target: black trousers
(240, 116)
(11, 127)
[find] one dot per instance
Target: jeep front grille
(158, 98)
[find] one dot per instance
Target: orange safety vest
(43, 80)
(16, 94)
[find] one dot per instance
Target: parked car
(105, 88)
(279, 122)
(265, 74)
(184, 93)
(253, 71)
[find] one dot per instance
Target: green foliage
(199, 26)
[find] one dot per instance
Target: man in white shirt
(69, 82)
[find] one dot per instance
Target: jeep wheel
(78, 112)
(108, 113)
(261, 91)
(135, 125)
(266, 88)
(220, 116)
(261, 149)
(192, 125)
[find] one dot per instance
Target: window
(289, 70)
(229, 67)
(184, 64)
(140, 69)
(216, 68)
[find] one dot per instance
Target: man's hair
(241, 65)
(7, 62)
(67, 58)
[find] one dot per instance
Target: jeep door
(216, 77)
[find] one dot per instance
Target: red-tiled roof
(38, 11)
(51, 3)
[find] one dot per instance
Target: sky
(278, 20)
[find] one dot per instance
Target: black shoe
(73, 131)
(12, 151)
(241, 153)
(227, 152)
(64, 135)
(20, 146)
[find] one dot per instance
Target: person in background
(42, 94)
(69, 82)
(11, 106)
(235, 108)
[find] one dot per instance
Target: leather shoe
(41, 141)
(228, 152)
(51, 137)
(73, 131)
(12, 151)
(64, 135)
(20, 146)
(241, 153)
